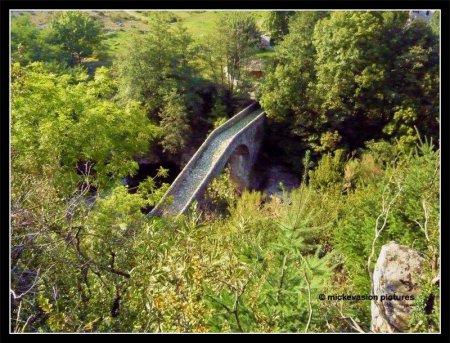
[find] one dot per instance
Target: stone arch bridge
(235, 143)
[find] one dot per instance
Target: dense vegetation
(344, 78)
(352, 100)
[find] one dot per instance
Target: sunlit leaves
(355, 71)
(76, 33)
(59, 121)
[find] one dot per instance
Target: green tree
(357, 73)
(372, 66)
(30, 44)
(227, 51)
(68, 129)
(154, 63)
(276, 23)
(174, 123)
(286, 89)
(24, 40)
(68, 139)
(75, 32)
(415, 83)
(219, 113)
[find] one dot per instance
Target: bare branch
(18, 316)
(353, 324)
(386, 208)
(424, 227)
(309, 300)
(20, 296)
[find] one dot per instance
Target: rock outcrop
(395, 282)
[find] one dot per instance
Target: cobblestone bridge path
(183, 188)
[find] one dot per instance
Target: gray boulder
(395, 282)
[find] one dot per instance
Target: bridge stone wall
(249, 136)
(240, 166)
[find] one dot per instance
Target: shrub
(329, 171)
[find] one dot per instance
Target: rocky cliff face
(395, 282)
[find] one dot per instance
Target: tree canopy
(277, 23)
(61, 122)
(75, 32)
(362, 75)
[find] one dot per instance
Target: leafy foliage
(220, 194)
(226, 52)
(58, 127)
(435, 23)
(364, 75)
(76, 33)
(154, 63)
(30, 44)
(277, 23)
(174, 123)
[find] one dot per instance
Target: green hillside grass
(119, 24)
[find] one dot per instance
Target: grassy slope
(118, 24)
(199, 23)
